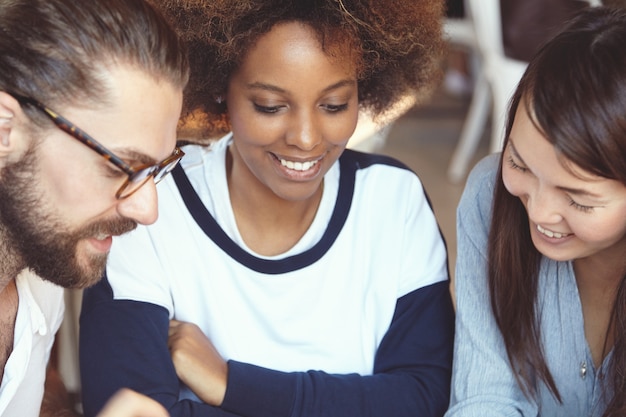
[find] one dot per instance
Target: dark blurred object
(527, 24)
(615, 3)
(455, 8)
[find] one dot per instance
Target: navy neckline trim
(349, 162)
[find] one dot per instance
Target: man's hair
(55, 51)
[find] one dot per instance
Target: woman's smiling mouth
(551, 234)
(298, 166)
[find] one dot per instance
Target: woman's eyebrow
(575, 191)
(276, 89)
(514, 151)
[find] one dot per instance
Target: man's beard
(40, 238)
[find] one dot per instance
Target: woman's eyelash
(335, 108)
(585, 209)
(332, 108)
(516, 166)
(266, 109)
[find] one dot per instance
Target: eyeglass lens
(139, 178)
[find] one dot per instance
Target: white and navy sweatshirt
(354, 320)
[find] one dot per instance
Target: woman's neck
(268, 224)
(597, 282)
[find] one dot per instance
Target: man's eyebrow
(132, 155)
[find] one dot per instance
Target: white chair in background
(370, 136)
(502, 73)
(496, 79)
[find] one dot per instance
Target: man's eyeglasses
(137, 177)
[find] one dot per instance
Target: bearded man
(115, 69)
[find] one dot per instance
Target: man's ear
(9, 108)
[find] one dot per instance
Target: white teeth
(550, 233)
(298, 166)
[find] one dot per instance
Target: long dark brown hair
(575, 88)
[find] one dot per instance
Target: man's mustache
(114, 227)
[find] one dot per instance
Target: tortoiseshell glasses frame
(137, 176)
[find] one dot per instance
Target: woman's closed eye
(267, 109)
(584, 209)
(335, 108)
(516, 166)
(331, 108)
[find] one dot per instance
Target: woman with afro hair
(286, 275)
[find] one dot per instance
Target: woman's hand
(127, 403)
(197, 362)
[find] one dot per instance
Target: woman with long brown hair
(540, 278)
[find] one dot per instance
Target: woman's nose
(543, 207)
(305, 132)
